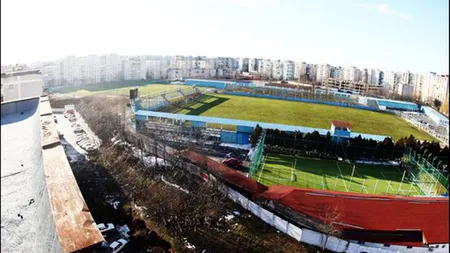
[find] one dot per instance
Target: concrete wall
(27, 219)
(18, 87)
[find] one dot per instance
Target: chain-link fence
(256, 161)
(430, 180)
(316, 96)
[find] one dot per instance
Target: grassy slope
(311, 115)
(321, 174)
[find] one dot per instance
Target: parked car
(90, 145)
(118, 245)
(83, 142)
(233, 162)
(81, 139)
(78, 130)
(90, 149)
(104, 227)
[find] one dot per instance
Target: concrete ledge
(74, 223)
(49, 134)
(45, 108)
(44, 98)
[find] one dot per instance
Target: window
(443, 246)
(387, 245)
(409, 247)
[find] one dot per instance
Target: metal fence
(429, 179)
(257, 157)
(299, 95)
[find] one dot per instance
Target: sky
(394, 35)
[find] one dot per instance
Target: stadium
(304, 156)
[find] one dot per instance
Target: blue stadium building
(436, 116)
(218, 84)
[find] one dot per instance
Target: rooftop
(41, 201)
(339, 123)
(428, 215)
(430, 111)
(20, 73)
(74, 223)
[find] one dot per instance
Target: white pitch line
(262, 169)
(339, 168)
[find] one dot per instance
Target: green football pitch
(334, 175)
(299, 114)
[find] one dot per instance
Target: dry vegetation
(170, 213)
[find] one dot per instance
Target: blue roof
(370, 136)
(430, 111)
(211, 81)
(393, 101)
(237, 122)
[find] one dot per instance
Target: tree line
(354, 148)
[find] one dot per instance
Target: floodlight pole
(403, 177)
(433, 160)
(429, 155)
(376, 185)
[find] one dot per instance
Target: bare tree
(330, 217)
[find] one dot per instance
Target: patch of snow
(250, 154)
(115, 142)
(238, 146)
(229, 217)
(236, 213)
(138, 153)
(151, 161)
(114, 204)
(188, 245)
(174, 185)
(140, 208)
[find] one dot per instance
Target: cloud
(387, 10)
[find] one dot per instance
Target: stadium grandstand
(298, 182)
(436, 116)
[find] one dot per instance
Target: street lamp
(439, 163)
(423, 155)
(433, 160)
